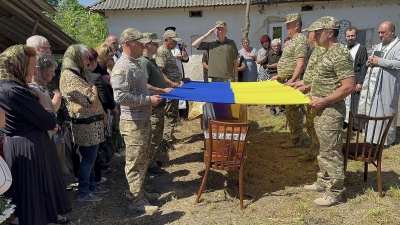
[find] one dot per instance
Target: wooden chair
(225, 150)
(365, 149)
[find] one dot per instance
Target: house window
(277, 31)
(307, 7)
(195, 13)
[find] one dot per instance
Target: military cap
(221, 24)
(293, 17)
(311, 28)
(152, 36)
(170, 28)
(325, 22)
(171, 35)
(131, 34)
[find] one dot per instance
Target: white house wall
(365, 15)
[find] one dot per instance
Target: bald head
(40, 43)
(386, 32)
(112, 41)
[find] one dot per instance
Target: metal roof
(22, 19)
(103, 5)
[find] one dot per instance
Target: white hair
(36, 41)
(83, 48)
(276, 40)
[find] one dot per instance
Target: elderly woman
(270, 64)
(249, 54)
(262, 56)
(87, 117)
(45, 72)
(38, 188)
(106, 100)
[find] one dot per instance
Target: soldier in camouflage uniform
(130, 91)
(290, 66)
(332, 82)
(156, 83)
(305, 86)
(173, 76)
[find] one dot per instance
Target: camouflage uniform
(333, 66)
(130, 91)
(156, 79)
(310, 112)
(166, 60)
(298, 47)
(157, 128)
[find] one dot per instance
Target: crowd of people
(337, 78)
(116, 92)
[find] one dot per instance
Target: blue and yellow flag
(250, 93)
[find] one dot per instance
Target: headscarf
(73, 61)
(13, 64)
(44, 63)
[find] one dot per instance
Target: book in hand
(378, 54)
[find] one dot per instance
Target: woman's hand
(55, 129)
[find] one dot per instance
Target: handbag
(5, 176)
(106, 149)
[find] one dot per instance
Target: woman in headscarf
(87, 117)
(38, 188)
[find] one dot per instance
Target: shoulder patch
(119, 72)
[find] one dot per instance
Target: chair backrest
(370, 145)
(226, 144)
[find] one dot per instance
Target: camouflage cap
(311, 28)
(293, 17)
(325, 22)
(131, 34)
(221, 24)
(170, 34)
(152, 36)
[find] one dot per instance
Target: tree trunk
(247, 26)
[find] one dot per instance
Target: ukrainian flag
(250, 93)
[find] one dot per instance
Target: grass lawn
(272, 185)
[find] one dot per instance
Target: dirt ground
(272, 185)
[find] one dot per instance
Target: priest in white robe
(380, 91)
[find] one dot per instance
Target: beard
(351, 43)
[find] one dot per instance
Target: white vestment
(385, 97)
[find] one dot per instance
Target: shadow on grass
(192, 157)
(355, 185)
(156, 218)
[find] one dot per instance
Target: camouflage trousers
(171, 118)
(328, 126)
(310, 115)
(137, 134)
(157, 131)
(295, 117)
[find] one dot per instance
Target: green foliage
(85, 27)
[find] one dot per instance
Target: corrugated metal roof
(154, 4)
(103, 5)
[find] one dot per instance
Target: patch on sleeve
(119, 73)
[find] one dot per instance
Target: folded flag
(250, 93)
